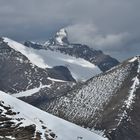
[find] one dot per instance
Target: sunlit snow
(63, 129)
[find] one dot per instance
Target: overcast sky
(109, 25)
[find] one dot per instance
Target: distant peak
(60, 38)
(62, 32)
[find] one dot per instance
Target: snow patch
(10, 137)
(135, 85)
(131, 97)
(133, 59)
(30, 92)
(55, 80)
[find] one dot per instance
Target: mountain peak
(62, 32)
(60, 38)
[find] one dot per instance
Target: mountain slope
(60, 43)
(18, 73)
(80, 69)
(107, 102)
(20, 121)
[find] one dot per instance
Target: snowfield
(80, 69)
(63, 129)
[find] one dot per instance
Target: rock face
(108, 102)
(60, 43)
(13, 127)
(61, 72)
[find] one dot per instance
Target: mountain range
(73, 82)
(60, 42)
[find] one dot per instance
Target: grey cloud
(91, 35)
(109, 25)
(120, 45)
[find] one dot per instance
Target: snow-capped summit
(62, 32)
(60, 39)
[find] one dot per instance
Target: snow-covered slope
(18, 74)
(107, 102)
(47, 127)
(80, 69)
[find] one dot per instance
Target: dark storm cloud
(109, 25)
